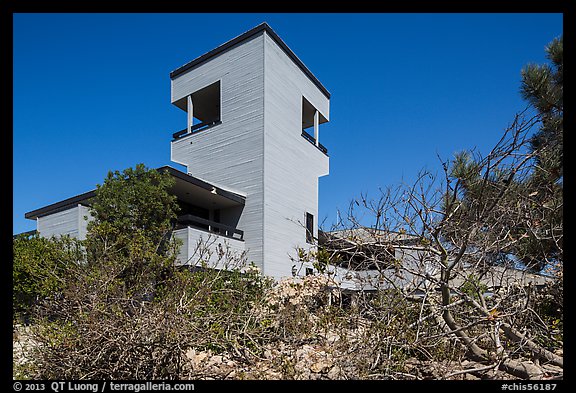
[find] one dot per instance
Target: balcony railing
(196, 128)
(211, 226)
(312, 140)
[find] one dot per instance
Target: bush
(39, 270)
(103, 332)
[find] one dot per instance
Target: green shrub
(39, 269)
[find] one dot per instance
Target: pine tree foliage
(542, 87)
(520, 180)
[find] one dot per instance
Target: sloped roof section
(263, 27)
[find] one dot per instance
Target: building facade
(251, 153)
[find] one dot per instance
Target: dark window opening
(309, 228)
(309, 271)
(206, 103)
(308, 112)
(309, 117)
(367, 257)
(205, 108)
(346, 300)
(216, 219)
(197, 211)
(187, 208)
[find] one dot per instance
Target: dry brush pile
(211, 324)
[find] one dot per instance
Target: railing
(196, 128)
(211, 226)
(312, 140)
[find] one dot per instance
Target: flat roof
(61, 205)
(242, 38)
(83, 199)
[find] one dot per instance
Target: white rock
(334, 373)
(321, 366)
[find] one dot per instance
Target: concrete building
(252, 153)
(370, 260)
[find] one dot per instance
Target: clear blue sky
(92, 92)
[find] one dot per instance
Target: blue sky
(92, 92)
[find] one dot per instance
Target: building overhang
(186, 188)
(190, 189)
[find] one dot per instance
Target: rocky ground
(22, 345)
(310, 363)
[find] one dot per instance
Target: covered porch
(207, 223)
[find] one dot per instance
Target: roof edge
(83, 199)
(61, 205)
(203, 184)
(263, 27)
